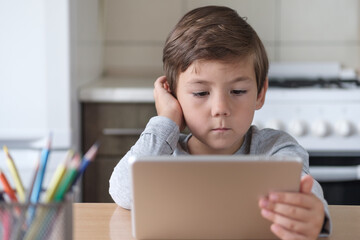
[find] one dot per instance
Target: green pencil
(68, 178)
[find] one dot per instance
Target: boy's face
(218, 100)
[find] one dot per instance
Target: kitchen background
(83, 70)
(321, 30)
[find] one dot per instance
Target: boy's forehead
(238, 63)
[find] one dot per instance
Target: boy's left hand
(294, 215)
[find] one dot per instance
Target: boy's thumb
(306, 184)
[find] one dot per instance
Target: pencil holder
(36, 221)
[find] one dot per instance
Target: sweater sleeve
(160, 137)
(292, 148)
(279, 143)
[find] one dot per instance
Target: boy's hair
(212, 33)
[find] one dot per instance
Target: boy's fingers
(159, 83)
(297, 213)
(296, 199)
(287, 223)
(161, 79)
(286, 234)
(161, 88)
(306, 184)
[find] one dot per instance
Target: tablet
(206, 197)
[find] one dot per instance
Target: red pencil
(7, 188)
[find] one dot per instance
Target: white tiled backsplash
(292, 30)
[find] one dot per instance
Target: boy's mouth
(221, 129)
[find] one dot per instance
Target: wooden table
(107, 221)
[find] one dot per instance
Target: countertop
(108, 221)
(118, 90)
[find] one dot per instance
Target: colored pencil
(40, 176)
(7, 188)
(15, 174)
(37, 221)
(88, 157)
(57, 177)
(35, 195)
(31, 187)
(6, 222)
(20, 229)
(68, 179)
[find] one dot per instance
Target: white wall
(292, 30)
(86, 60)
(48, 49)
(39, 77)
(135, 32)
(22, 70)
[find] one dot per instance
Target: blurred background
(84, 70)
(134, 31)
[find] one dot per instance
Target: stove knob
(274, 124)
(320, 128)
(297, 128)
(344, 128)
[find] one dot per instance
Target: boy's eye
(200, 94)
(238, 92)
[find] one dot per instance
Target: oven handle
(335, 173)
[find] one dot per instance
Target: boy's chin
(223, 148)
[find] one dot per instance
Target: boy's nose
(220, 106)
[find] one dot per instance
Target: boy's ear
(261, 96)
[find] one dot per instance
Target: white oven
(319, 106)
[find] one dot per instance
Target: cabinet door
(117, 127)
(96, 180)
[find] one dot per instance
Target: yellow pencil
(15, 174)
(57, 177)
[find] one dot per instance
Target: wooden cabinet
(117, 127)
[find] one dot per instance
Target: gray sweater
(162, 137)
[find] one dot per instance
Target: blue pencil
(40, 176)
(88, 157)
(35, 195)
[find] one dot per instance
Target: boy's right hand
(166, 104)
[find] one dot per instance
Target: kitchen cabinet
(117, 127)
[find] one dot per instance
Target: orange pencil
(7, 188)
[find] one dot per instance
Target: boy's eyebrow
(202, 81)
(241, 79)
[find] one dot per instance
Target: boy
(216, 77)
